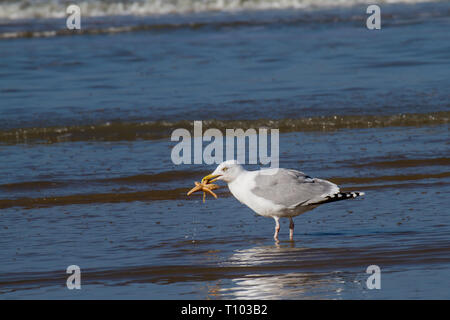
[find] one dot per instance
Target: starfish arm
(197, 187)
(210, 192)
(204, 186)
(212, 186)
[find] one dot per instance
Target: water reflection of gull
(264, 255)
(274, 273)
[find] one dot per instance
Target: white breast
(241, 189)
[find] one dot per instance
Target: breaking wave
(32, 9)
(153, 130)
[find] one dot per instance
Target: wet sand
(140, 236)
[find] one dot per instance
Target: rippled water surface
(86, 175)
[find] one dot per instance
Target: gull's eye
(224, 169)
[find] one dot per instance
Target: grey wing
(292, 188)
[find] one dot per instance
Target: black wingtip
(342, 196)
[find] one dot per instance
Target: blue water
(306, 66)
(86, 176)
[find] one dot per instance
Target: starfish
(204, 186)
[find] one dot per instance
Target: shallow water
(86, 176)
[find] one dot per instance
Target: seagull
(277, 192)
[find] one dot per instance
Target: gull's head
(226, 171)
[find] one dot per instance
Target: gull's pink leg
(291, 229)
(277, 228)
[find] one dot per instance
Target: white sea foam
(30, 9)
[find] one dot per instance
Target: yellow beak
(210, 178)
